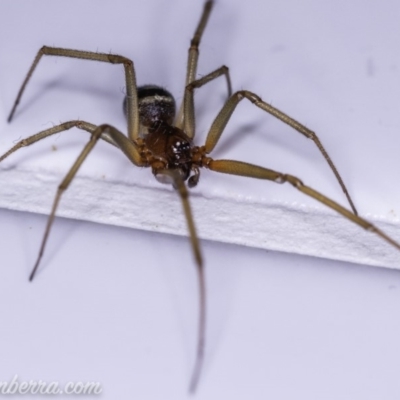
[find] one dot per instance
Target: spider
(162, 139)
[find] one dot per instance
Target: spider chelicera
(162, 139)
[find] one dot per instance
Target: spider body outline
(155, 141)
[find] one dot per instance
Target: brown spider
(159, 139)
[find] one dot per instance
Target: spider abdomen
(155, 104)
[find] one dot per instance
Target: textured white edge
(312, 231)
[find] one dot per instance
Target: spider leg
(224, 115)
(130, 78)
(254, 171)
(48, 132)
(180, 186)
(189, 119)
(106, 132)
(115, 138)
(193, 55)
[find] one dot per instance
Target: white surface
(336, 69)
(118, 306)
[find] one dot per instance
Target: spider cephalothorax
(166, 148)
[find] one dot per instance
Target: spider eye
(180, 147)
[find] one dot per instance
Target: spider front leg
(180, 186)
(254, 171)
(130, 78)
(224, 115)
(193, 58)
